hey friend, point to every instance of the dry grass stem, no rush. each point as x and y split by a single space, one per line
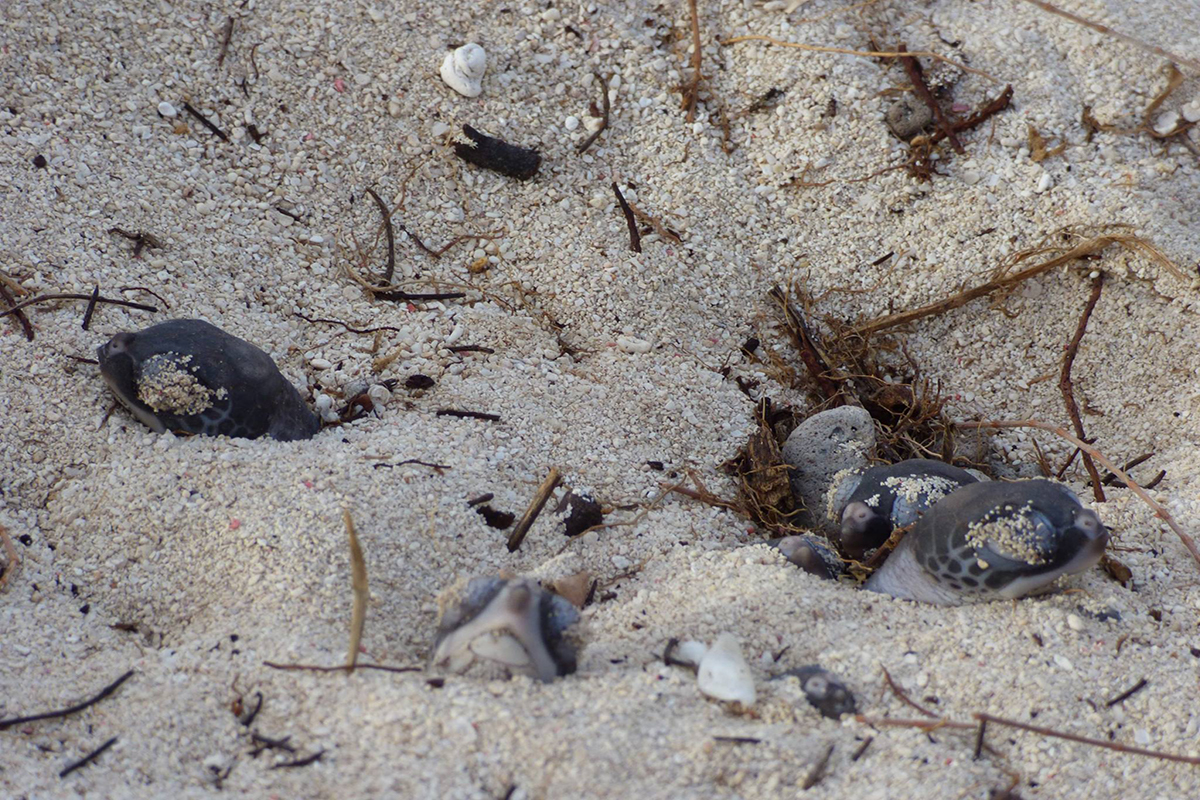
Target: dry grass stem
1005 280
863 53
1107 31
358 582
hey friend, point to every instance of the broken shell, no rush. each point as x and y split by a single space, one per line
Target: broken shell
723 673
463 69
513 624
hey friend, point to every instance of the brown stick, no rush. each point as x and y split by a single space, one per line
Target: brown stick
1116 34
1159 511
988 109
225 43
1087 248
1068 389
896 690
691 93
912 68
1071 737
635 238
358 584
603 120
45 298
535 508
391 238
802 338
21 318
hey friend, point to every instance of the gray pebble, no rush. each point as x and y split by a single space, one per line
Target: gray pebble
818 449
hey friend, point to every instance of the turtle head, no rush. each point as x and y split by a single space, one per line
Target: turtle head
863 528
117 366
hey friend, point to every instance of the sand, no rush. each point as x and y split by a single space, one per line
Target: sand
191 561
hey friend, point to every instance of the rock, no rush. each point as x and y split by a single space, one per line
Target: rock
166 109
463 69
724 674
825 691
823 445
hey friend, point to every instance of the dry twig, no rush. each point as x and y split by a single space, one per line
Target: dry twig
607 107
1004 280
864 53
691 90
1068 389
1138 43
535 507
358 583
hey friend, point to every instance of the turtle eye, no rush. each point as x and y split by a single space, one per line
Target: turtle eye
117 344
1088 522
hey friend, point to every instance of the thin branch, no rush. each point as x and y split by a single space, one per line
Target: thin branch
912 68
606 108
1138 43
1071 737
8 298
535 507
343 668
635 238
46 298
105 692
1159 510
391 238
358 583
896 690
89 758
1086 248
864 53
1068 388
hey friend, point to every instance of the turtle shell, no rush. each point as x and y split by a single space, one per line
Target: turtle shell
188 375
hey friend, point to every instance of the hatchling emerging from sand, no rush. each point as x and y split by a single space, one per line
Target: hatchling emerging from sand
884 498
187 375
993 540
511 627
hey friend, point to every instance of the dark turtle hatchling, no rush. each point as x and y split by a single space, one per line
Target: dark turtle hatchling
991 541
893 496
187 375
514 624
810 553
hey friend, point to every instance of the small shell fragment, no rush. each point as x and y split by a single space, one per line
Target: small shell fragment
463 69
724 674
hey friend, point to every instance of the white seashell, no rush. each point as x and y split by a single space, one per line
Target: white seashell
724 673
463 69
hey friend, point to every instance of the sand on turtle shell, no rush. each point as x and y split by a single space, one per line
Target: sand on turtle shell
192 561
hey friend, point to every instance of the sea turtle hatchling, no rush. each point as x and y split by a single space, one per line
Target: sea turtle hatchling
514 626
187 375
884 498
990 541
